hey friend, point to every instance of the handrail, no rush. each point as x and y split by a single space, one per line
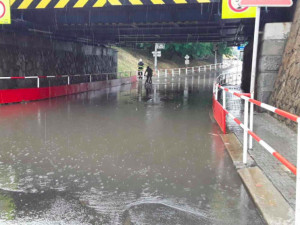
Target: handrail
247 131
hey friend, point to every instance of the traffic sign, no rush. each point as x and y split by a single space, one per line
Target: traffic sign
232 9
187 57
5 12
156 54
161 45
187 62
241 48
267 3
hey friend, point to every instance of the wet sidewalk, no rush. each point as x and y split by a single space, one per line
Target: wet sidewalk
277 135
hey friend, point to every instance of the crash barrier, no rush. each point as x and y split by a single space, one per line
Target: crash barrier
38 93
250 133
186 70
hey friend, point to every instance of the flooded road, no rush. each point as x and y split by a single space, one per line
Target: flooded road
126 155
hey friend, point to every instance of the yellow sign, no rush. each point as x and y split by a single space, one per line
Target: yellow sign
231 9
5 12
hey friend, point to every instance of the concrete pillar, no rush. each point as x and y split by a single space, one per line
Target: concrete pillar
269 58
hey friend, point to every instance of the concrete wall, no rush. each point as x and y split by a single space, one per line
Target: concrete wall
286 93
32 56
271 49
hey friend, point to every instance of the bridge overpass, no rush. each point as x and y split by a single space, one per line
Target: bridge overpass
101 22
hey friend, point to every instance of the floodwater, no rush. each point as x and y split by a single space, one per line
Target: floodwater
125 155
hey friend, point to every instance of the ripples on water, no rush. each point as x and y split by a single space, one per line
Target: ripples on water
120 156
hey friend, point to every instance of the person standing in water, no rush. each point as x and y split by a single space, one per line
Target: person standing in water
149 73
140 68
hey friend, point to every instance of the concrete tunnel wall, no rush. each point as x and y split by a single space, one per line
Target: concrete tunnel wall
286 92
24 55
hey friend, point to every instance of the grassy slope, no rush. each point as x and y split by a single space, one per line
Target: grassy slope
128 59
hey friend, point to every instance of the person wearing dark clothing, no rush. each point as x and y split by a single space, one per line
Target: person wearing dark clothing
140 69
149 73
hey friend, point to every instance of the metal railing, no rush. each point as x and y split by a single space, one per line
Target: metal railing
107 76
250 133
186 70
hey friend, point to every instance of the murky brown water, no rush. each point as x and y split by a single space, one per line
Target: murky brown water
120 156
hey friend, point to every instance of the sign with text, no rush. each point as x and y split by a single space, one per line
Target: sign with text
267 3
160 45
5 12
232 9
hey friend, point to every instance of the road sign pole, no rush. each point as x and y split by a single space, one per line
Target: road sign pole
155 58
253 70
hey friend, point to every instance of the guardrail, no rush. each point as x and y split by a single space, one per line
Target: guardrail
249 132
187 70
106 75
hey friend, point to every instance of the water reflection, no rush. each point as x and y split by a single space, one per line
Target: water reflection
143 155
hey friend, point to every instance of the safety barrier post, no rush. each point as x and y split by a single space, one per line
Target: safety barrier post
179 71
38 82
245 140
210 67
297 207
199 69
185 71
172 72
166 72
106 77
224 99
193 70
90 78
217 90
158 73
68 80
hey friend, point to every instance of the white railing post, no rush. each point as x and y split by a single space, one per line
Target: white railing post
297 207
179 71
199 69
186 71
224 99
251 121
245 139
166 72
38 82
193 70
172 72
205 68
90 78
106 77
217 90
68 79
209 67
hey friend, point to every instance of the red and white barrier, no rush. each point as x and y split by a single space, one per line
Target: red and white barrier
287 115
270 108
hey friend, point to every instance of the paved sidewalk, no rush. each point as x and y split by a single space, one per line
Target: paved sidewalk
277 135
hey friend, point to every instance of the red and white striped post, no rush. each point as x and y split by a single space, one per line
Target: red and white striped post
297 207
245 142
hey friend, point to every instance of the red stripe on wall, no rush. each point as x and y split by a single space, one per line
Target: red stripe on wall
32 94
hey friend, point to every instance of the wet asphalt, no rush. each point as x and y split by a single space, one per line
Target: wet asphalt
124 155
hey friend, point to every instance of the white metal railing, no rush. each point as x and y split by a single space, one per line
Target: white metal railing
186 70
248 132
106 75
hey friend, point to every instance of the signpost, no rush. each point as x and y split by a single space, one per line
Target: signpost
259 4
5 17
187 61
156 53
